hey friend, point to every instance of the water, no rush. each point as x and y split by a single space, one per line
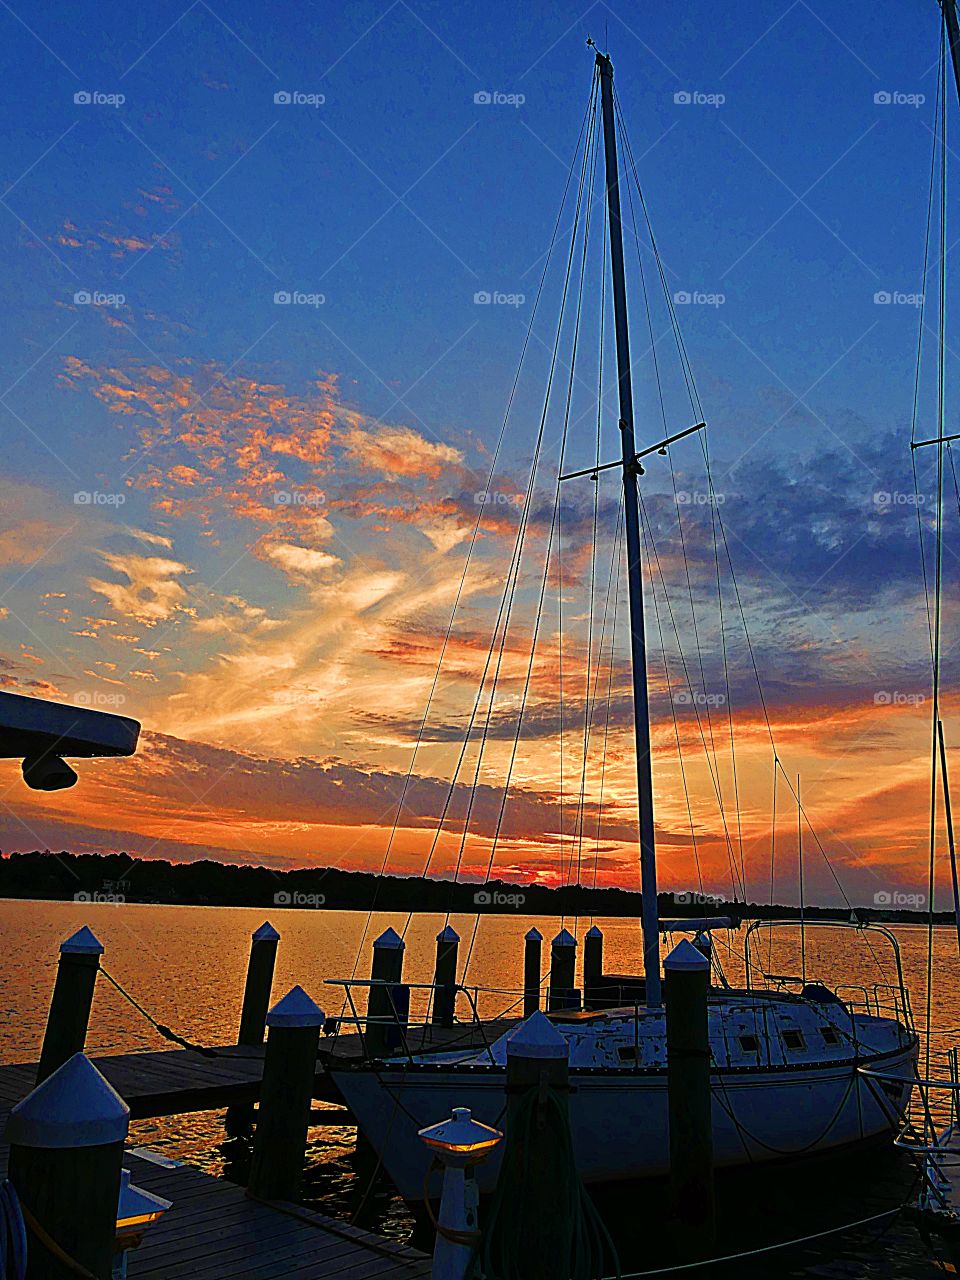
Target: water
186 965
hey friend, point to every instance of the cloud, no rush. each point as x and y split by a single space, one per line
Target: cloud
151 593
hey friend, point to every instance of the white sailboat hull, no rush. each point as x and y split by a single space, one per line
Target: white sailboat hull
619 1118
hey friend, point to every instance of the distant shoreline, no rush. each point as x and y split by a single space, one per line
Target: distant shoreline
118 878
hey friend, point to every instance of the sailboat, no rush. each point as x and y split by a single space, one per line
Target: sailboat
786 1078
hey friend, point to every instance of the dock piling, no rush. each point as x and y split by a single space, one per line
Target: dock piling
289 1069
592 966
532 963
563 965
66 1151
386 973
445 977
534 1175
69 1015
256 991
689 1100
253 1013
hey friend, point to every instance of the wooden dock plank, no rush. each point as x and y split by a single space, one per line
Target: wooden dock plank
214 1230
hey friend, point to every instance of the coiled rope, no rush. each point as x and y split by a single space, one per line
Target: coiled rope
590 1242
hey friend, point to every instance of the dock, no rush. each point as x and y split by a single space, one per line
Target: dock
168 1082
214 1230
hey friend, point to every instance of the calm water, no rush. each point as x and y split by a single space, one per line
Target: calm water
186 965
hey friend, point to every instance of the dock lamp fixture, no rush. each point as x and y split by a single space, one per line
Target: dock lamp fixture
41 734
136 1211
457 1144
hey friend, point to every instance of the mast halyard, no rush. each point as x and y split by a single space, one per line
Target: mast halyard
638 649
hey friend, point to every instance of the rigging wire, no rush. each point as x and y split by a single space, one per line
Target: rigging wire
470 551
553 523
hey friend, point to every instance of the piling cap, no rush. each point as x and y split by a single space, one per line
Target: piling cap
593 932
461 1138
266 933
536 1038
296 1009
564 939
74 1107
83 943
448 934
389 940
533 935
686 956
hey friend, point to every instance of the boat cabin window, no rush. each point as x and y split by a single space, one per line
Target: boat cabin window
829 1035
793 1039
627 1053
749 1044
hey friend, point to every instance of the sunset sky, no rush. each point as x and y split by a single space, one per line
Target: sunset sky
244 521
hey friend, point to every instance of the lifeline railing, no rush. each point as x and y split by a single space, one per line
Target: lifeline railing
900 1005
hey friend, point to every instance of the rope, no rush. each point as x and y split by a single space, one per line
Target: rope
448 1233
13 1234
764 1249
51 1246
586 1236
163 1030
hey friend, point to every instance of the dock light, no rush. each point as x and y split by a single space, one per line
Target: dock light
461 1139
136 1211
458 1143
41 734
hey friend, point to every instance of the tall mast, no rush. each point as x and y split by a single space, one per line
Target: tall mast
638 647
949 8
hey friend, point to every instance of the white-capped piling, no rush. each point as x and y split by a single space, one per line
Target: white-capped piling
535 1158
259 984
592 966
563 993
66 1148
532 964
73 989
457 1144
689 1100
386 973
445 977
289 1072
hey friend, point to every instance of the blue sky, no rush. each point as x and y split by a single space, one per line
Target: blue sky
791 190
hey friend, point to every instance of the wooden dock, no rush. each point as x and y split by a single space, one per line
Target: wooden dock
214 1230
169 1082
